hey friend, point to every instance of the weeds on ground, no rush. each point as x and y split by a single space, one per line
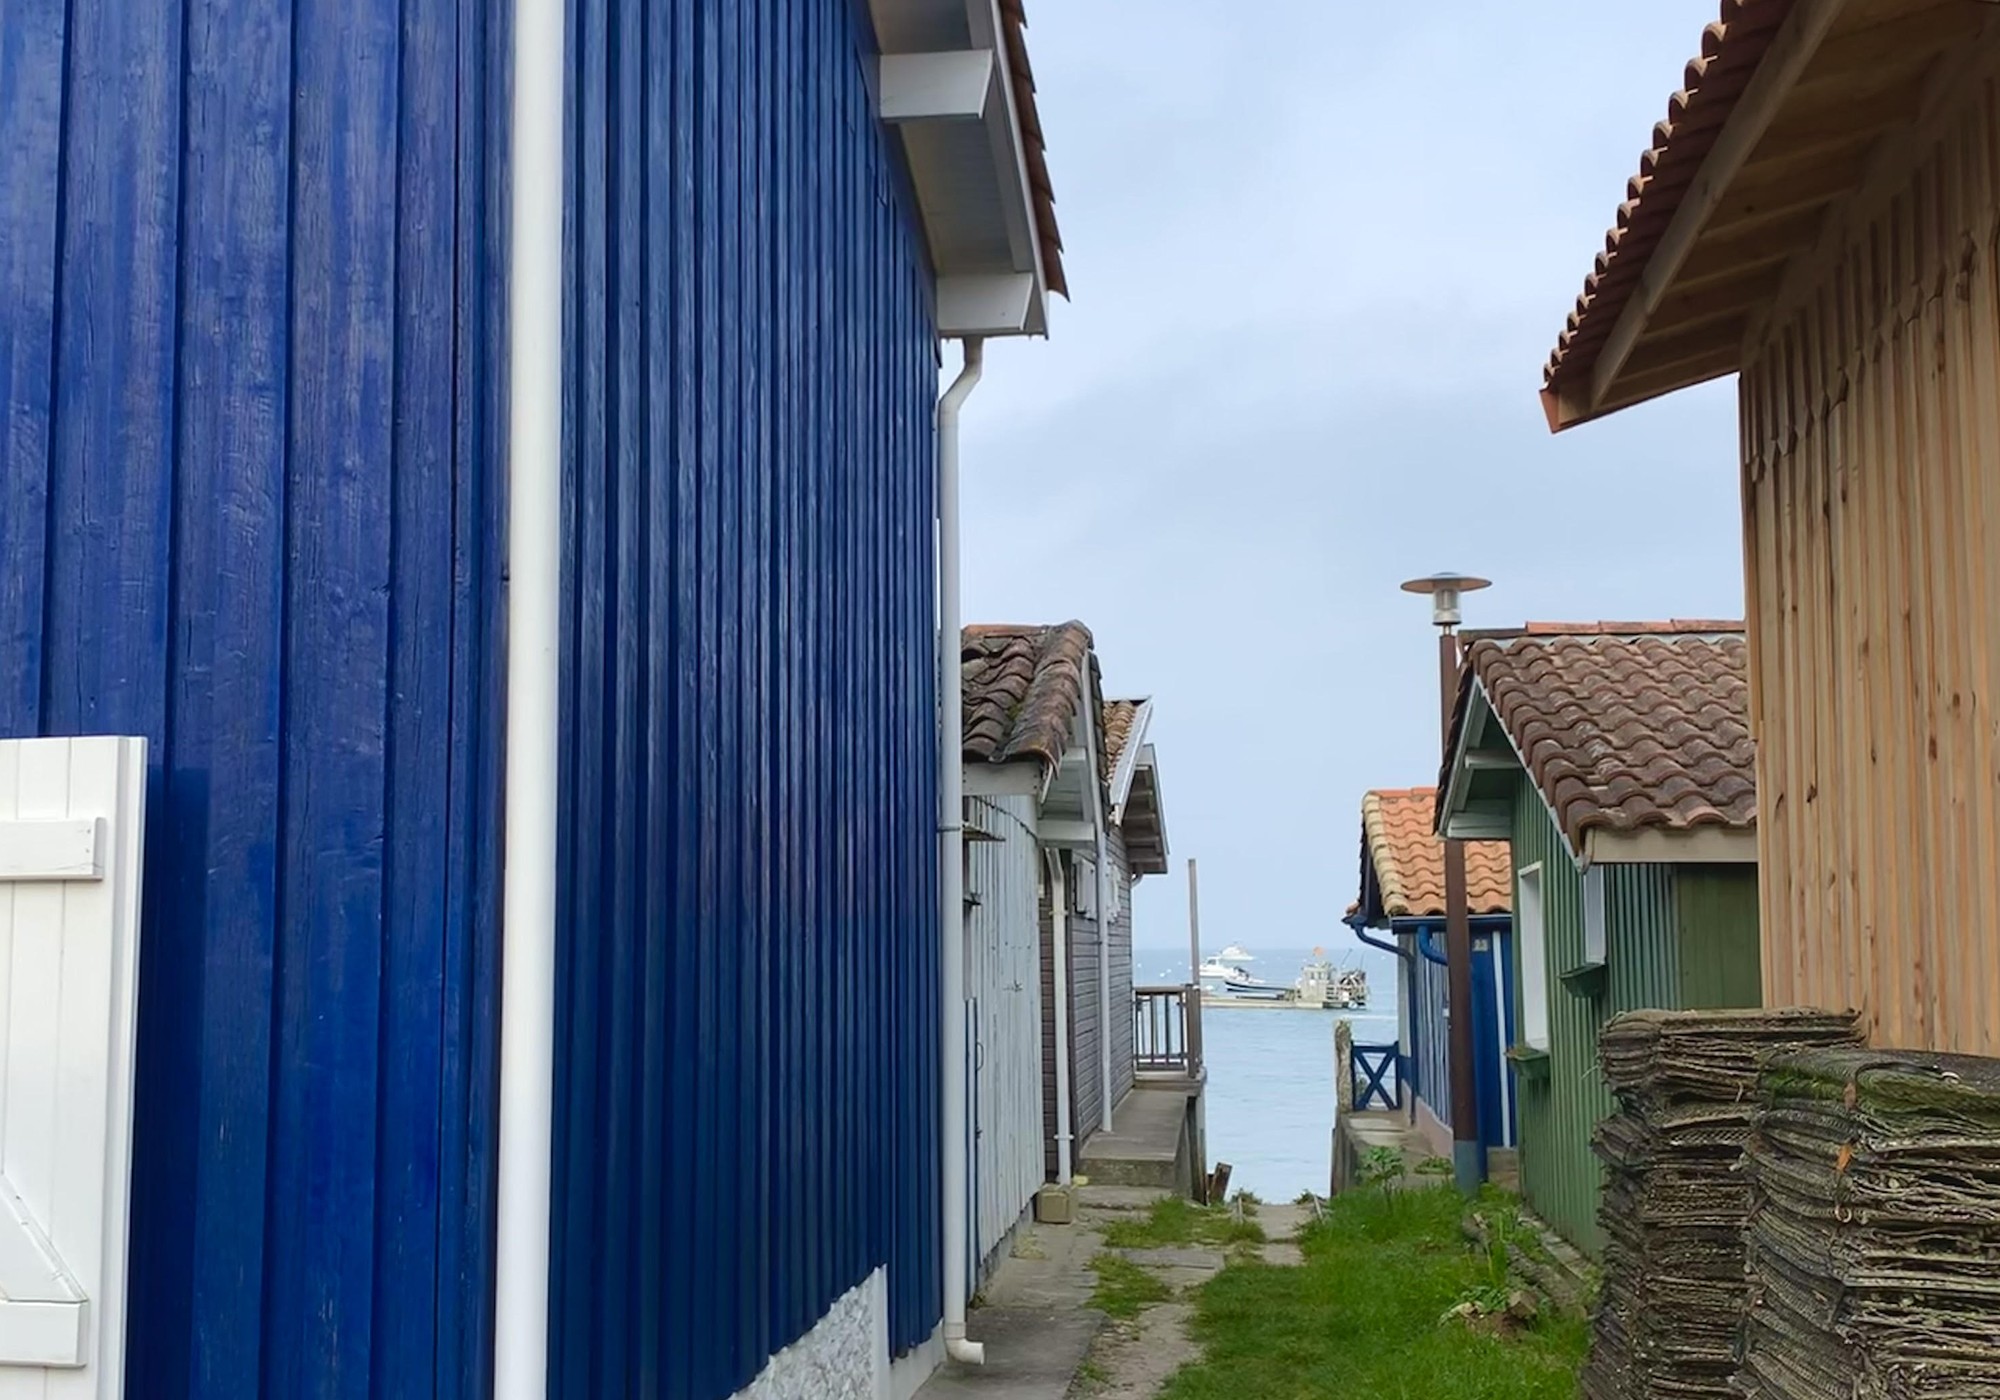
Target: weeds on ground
1174 1220
1123 1288
1363 1319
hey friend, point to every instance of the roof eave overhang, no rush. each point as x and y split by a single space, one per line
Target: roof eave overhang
944 87
1159 802
1659 845
1811 126
1480 744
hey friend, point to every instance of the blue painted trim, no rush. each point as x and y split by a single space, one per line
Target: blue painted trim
1428 947
1360 930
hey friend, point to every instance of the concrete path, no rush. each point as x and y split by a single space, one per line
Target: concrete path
1036 1319
1031 1354
1045 1342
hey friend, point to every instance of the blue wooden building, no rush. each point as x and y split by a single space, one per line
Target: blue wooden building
1402 896
282 285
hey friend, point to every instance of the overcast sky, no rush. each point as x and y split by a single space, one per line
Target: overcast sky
1318 253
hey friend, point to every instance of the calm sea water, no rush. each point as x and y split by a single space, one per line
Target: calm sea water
1270 1073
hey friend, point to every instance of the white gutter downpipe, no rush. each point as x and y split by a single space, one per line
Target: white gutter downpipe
1059 904
534 589
951 864
1105 1010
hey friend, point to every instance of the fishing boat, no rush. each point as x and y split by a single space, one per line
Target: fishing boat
1336 988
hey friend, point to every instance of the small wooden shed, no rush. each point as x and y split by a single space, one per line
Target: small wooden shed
1616 760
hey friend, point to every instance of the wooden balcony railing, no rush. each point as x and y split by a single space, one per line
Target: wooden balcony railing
1166 1030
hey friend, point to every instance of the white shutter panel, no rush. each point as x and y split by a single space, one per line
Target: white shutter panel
70 824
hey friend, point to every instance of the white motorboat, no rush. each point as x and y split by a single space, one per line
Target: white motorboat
1222 976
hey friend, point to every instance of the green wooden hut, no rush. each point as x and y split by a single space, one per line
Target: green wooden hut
1617 760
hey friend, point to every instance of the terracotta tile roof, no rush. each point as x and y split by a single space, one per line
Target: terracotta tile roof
1408 856
1024 687
1118 717
1624 726
1731 49
1015 24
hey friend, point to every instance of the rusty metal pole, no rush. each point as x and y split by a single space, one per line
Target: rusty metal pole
1468 1161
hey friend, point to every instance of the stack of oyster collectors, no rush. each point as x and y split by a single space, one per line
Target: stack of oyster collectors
1874 1249
1676 1201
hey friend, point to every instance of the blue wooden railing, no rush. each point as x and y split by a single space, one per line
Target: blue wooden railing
1375 1082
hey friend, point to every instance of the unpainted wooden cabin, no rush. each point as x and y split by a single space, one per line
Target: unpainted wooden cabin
1820 214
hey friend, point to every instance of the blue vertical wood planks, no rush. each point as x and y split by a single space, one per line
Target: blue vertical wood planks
253 507
251 308
746 1118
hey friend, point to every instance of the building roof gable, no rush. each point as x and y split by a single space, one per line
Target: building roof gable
1622 728
1403 860
1780 117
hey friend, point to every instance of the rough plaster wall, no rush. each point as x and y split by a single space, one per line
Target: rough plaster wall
844 1357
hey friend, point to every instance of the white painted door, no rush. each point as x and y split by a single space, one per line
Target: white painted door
70 825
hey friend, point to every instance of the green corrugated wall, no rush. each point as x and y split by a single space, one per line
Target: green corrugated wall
1719 953
1675 937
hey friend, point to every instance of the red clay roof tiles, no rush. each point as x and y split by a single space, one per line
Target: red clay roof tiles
1624 726
1731 49
1409 858
1118 718
1033 143
1023 690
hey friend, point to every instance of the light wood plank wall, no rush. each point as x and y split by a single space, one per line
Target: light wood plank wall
1871 488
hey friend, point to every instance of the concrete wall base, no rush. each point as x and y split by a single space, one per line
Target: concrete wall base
1434 1132
908 1372
1004 1246
845 1356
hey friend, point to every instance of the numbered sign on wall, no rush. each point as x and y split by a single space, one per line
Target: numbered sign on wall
70 821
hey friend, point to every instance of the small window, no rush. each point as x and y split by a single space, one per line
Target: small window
1083 887
1530 928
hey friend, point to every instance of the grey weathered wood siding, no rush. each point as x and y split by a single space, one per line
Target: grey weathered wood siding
1088 1022
1003 982
1121 1027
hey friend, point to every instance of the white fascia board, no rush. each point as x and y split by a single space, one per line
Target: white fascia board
1655 845
920 87
1128 759
1003 779
981 304
1459 777
984 17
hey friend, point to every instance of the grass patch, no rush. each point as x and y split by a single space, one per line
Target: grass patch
1123 1288
1364 1319
1173 1221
